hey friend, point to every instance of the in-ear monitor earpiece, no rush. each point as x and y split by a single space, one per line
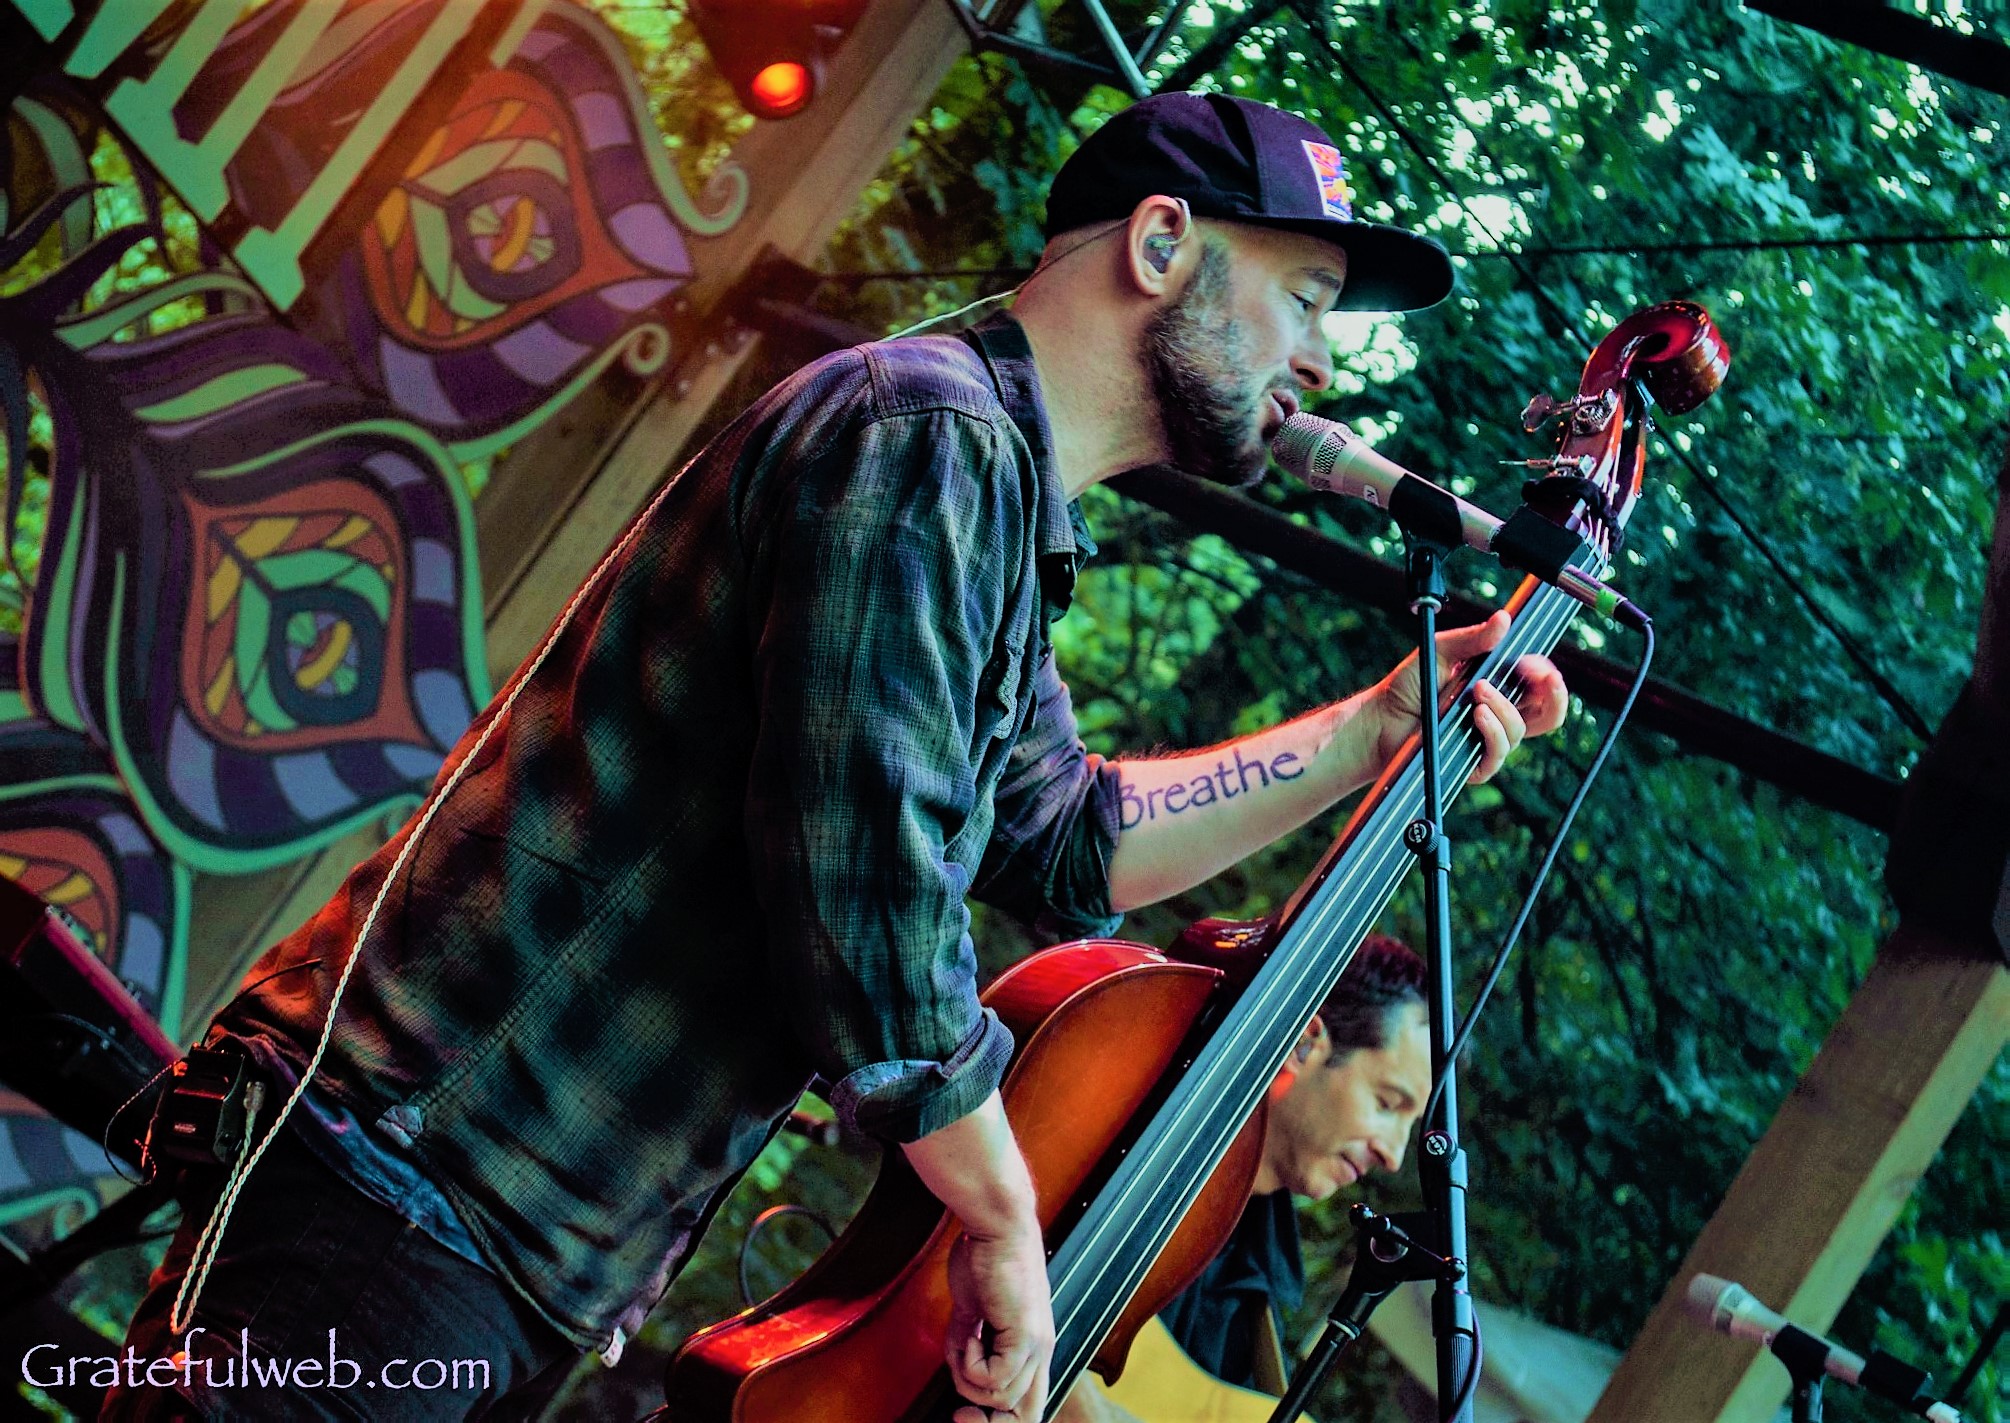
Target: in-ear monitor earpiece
1159 247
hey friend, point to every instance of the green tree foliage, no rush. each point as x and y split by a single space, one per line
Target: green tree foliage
1703 930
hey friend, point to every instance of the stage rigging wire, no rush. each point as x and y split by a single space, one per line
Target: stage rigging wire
1984 1347
1900 705
1754 244
1757 244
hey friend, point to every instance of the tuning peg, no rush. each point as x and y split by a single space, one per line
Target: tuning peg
1540 410
1561 464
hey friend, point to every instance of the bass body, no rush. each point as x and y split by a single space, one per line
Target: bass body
1101 1025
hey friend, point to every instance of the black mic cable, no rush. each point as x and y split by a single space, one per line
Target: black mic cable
1470 1385
1500 962
1330 457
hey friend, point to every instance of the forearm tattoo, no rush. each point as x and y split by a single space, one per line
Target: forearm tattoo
1225 782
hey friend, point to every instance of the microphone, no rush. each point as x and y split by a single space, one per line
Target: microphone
1729 1308
1330 457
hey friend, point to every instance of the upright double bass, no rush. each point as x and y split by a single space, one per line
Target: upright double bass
1137 1089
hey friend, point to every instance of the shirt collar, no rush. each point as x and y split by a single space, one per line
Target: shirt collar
1063 533
1264 1256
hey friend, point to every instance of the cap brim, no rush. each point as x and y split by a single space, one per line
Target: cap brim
1388 269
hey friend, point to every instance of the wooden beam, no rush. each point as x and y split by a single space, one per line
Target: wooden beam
557 500
1696 725
806 181
531 489
592 471
1882 29
234 918
1819 1193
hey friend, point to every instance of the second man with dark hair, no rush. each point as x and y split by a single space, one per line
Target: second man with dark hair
1343 1107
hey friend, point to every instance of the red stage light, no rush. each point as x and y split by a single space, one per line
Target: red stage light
773 51
780 89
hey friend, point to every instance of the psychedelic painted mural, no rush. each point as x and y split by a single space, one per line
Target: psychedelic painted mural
409 233
510 261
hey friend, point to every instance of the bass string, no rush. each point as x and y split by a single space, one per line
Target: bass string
1542 627
1539 629
1464 751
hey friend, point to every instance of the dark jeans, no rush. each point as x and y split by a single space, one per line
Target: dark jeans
418 1331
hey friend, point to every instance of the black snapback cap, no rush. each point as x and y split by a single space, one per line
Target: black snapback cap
1246 162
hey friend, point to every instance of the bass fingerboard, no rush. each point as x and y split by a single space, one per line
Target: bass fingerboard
1122 1230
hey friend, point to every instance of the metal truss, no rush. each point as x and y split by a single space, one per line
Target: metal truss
1009 27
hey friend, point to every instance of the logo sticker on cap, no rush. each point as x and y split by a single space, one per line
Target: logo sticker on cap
1329 170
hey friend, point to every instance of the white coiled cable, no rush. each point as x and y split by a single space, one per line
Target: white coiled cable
210 1241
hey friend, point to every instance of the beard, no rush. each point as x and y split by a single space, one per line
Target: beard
1207 401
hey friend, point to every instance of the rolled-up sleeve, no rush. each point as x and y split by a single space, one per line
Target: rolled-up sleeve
879 592
1058 815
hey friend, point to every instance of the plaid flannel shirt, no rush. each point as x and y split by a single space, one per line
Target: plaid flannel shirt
721 840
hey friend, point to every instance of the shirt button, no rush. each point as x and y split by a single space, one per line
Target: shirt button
402 1124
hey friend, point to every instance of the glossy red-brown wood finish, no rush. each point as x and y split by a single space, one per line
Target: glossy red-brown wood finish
1680 356
1675 349
859 1338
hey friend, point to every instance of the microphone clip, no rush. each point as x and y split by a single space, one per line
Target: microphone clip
1563 487
1385 1238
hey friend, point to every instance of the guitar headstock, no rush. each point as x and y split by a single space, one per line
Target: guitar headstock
1671 355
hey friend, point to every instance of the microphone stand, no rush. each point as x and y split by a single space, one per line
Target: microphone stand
1385 1255
1431 1244
1807 1399
1806 1358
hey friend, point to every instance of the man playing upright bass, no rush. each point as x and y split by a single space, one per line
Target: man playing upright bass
715 837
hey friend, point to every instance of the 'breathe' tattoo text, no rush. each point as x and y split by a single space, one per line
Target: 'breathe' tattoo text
1226 782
